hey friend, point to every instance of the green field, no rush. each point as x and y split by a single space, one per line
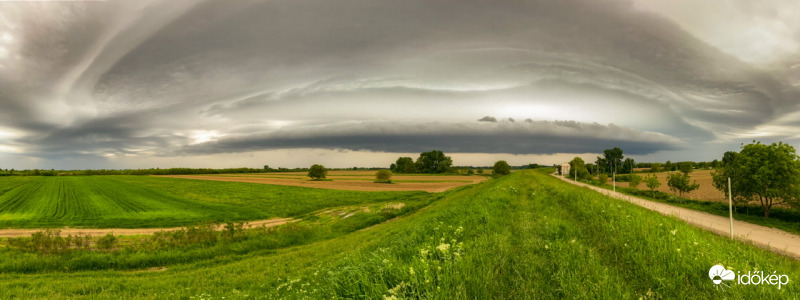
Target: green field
522 236
143 201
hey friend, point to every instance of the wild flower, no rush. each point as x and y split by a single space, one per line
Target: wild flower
443 247
411 271
679 249
674 231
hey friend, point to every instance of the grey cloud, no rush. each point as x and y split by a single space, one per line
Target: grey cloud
480 137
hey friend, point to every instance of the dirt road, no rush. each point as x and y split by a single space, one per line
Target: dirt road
770 238
130 231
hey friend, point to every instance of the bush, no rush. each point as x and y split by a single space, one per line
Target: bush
501 168
634 180
317 172
602 179
107 242
383 176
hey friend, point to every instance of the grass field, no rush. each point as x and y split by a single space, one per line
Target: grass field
522 236
144 201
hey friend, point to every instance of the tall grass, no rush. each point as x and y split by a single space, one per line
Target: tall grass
522 236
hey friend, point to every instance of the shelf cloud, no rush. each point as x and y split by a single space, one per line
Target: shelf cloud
153 79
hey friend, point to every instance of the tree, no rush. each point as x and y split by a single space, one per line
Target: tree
613 159
602 179
652 184
668 166
404 165
634 180
501 168
714 164
680 182
655 168
685 167
266 167
628 165
383 176
480 171
767 173
317 172
577 165
433 162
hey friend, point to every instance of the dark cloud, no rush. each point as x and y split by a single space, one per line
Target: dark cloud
165 78
481 137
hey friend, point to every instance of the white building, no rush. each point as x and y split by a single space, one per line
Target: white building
565 169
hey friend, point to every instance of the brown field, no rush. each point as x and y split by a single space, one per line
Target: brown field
349 180
703 177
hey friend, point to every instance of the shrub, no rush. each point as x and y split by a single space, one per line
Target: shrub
602 179
107 242
317 172
501 168
383 176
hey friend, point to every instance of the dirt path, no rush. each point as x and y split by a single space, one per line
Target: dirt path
774 239
4 233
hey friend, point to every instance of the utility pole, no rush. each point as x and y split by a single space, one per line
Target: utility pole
730 204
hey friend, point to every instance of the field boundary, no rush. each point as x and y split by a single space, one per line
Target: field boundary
773 239
12 232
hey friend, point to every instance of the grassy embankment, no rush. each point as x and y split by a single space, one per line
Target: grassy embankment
783 218
522 236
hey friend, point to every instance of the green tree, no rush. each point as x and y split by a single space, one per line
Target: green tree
613 157
383 176
680 182
767 173
634 180
501 168
686 167
668 166
404 165
433 162
655 168
714 164
577 165
652 184
628 165
317 172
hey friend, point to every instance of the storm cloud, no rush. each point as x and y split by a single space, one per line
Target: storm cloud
155 79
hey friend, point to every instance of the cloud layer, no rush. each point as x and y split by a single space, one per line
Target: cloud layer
149 79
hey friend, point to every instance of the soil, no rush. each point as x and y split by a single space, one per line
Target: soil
348 180
131 231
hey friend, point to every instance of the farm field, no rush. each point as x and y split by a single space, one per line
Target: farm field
145 201
705 192
349 180
522 236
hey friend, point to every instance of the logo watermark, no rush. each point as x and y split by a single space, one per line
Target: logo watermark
720 275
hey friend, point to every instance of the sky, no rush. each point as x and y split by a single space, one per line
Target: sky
344 83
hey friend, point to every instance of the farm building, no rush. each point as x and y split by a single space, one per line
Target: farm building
565 169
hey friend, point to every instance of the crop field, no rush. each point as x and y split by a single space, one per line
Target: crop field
522 236
350 180
705 192
144 201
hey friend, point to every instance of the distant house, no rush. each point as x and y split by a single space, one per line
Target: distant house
565 169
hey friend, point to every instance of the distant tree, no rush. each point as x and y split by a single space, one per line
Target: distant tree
634 180
383 176
433 162
404 165
613 157
602 179
577 165
266 167
317 172
714 164
668 166
655 168
680 182
702 165
591 168
652 184
601 165
627 166
685 167
393 167
501 168
767 173
480 171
